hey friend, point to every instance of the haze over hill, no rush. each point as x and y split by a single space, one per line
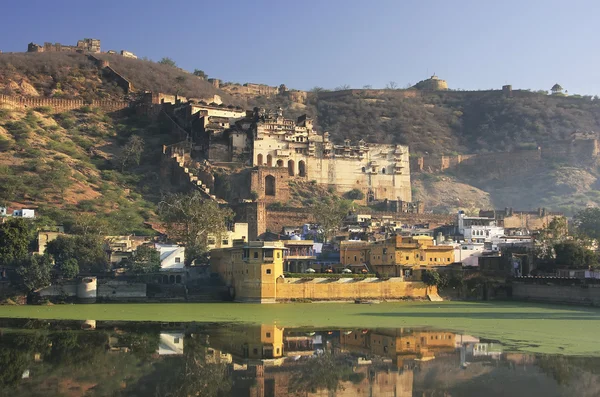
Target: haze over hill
432 123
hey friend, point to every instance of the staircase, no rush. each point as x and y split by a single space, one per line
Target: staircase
179 153
435 297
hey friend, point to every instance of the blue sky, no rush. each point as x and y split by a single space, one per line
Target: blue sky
473 44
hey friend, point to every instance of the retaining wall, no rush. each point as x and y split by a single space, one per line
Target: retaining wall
350 289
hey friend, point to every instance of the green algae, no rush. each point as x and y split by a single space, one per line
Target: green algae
521 326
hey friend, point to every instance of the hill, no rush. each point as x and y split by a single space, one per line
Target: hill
432 123
73 75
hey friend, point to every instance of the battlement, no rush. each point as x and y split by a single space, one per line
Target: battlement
59 105
85 45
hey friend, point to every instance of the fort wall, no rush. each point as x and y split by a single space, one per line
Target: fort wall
325 289
59 105
572 294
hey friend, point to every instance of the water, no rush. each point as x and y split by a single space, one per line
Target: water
116 358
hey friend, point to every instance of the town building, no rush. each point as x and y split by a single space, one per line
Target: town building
172 263
300 255
237 231
122 247
515 221
478 229
253 271
408 256
250 269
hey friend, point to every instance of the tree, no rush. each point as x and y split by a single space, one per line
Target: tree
556 88
87 252
34 272
179 86
88 224
555 232
354 194
392 85
323 372
132 152
330 215
342 87
190 218
168 61
431 278
587 223
200 73
16 236
58 176
145 260
573 255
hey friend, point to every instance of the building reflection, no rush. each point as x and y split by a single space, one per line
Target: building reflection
269 360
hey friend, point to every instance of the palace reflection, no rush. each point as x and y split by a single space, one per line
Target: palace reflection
180 359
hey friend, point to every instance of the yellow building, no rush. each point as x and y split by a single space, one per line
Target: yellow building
256 342
253 272
354 252
399 344
250 269
407 255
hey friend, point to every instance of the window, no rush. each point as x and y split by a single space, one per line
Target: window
355 258
364 169
176 341
268 271
225 242
268 334
448 259
278 254
255 351
383 170
255 255
178 260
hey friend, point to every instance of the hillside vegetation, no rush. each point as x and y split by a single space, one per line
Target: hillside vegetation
70 166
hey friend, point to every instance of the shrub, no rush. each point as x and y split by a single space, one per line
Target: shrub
354 194
44 109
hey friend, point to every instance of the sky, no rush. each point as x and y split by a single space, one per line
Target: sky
472 44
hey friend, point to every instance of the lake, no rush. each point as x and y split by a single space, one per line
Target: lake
388 349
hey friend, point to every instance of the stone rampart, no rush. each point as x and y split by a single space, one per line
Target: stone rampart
277 218
369 93
572 294
350 289
59 105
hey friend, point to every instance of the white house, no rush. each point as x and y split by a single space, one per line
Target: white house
477 229
24 213
172 257
171 344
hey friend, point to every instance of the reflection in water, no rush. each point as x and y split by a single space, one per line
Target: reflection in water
99 358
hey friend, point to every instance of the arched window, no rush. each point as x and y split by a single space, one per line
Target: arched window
269 160
270 185
280 163
364 169
171 279
383 170
301 168
259 159
291 167
178 279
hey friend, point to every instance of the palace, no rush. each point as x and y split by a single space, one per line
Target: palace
281 149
